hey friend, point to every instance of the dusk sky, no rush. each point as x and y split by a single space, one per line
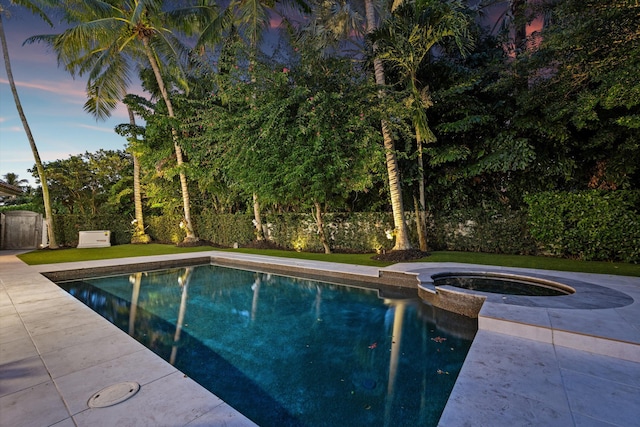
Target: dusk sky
52 101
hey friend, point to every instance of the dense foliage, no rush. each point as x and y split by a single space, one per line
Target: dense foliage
91 183
480 118
589 225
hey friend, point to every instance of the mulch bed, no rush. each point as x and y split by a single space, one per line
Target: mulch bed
400 256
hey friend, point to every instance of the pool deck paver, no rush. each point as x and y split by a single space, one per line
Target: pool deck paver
537 366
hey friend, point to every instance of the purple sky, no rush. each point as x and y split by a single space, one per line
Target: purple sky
52 101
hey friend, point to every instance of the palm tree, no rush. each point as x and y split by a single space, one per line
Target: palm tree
34 7
13 179
139 234
393 171
404 42
513 19
336 21
105 39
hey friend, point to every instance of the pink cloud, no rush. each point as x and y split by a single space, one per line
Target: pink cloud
60 88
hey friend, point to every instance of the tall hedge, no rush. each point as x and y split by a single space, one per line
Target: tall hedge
588 225
225 229
165 228
68 226
355 231
482 230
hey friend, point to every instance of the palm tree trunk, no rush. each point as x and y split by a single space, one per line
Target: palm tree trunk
36 156
139 236
393 171
191 236
420 208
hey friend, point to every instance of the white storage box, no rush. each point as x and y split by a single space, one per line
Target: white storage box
94 239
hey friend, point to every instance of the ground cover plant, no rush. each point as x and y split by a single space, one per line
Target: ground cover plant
544 263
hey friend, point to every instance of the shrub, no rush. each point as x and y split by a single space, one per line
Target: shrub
481 230
165 228
225 229
589 225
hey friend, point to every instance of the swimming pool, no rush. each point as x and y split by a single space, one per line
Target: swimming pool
291 352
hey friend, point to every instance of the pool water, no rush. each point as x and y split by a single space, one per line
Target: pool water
291 352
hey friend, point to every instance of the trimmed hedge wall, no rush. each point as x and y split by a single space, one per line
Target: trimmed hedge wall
588 225
352 232
164 229
478 230
225 229
67 228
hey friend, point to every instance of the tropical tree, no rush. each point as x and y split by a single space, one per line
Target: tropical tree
36 8
131 131
339 20
106 39
404 43
512 19
297 134
13 179
393 170
20 197
247 20
91 183
584 89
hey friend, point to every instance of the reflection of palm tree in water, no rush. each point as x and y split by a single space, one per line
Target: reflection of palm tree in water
396 341
256 293
183 281
135 280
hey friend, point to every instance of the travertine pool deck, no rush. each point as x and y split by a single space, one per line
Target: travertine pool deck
530 364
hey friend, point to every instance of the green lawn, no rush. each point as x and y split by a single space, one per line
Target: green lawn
545 263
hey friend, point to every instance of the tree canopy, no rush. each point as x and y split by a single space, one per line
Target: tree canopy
291 116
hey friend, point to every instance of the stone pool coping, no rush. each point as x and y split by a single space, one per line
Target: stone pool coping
527 365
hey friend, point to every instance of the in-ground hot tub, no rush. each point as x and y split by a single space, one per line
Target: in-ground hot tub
465 291
500 283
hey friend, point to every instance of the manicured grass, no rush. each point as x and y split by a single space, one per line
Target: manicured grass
46 256
544 263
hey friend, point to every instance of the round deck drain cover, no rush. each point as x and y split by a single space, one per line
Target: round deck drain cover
113 394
